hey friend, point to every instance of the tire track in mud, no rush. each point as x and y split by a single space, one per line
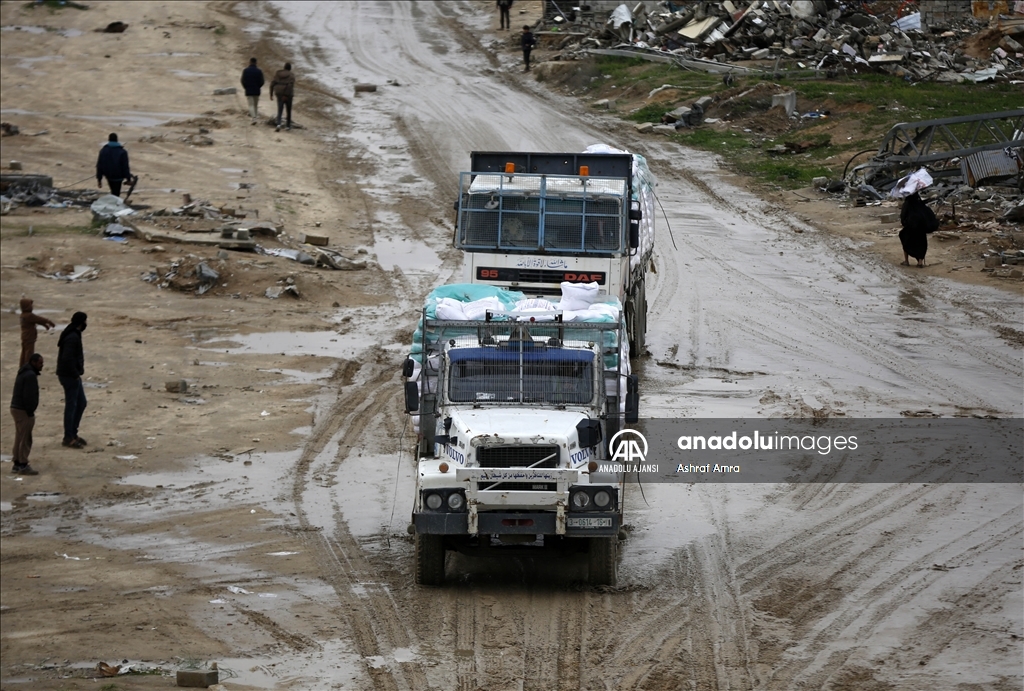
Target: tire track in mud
878 603
364 600
818 537
691 632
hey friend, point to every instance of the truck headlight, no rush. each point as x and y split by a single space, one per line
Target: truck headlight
602 499
455 501
433 501
581 500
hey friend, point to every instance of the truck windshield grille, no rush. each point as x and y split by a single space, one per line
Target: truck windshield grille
537 213
503 375
517 457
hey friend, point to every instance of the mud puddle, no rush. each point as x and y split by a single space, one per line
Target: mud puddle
409 256
320 343
127 119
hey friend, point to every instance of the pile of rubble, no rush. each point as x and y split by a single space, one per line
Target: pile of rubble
38 190
823 35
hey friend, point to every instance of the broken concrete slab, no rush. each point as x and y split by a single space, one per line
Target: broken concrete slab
311 239
786 100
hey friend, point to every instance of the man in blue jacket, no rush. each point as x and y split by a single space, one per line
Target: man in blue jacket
252 82
70 368
23 409
112 164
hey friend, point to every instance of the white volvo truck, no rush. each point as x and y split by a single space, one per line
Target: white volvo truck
529 221
514 407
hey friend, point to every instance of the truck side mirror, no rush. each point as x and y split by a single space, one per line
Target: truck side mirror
408 367
589 433
412 397
634 234
632 399
635 213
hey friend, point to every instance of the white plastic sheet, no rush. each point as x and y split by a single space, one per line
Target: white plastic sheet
911 183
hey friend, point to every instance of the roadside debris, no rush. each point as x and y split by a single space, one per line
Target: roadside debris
71 273
188 275
780 35
277 291
109 207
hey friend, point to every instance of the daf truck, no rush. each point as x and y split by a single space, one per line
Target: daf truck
529 221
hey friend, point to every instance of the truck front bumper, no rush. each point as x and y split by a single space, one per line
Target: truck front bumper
598 524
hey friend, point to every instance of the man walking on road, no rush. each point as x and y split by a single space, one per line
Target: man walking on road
527 41
23 409
503 9
252 82
70 368
112 164
283 87
28 330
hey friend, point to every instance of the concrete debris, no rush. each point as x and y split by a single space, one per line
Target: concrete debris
941 42
277 291
188 274
225 92
109 207
318 240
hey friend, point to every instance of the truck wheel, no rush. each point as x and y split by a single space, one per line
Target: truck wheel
603 560
430 559
636 319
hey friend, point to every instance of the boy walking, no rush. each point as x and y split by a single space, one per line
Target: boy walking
28 330
23 409
527 41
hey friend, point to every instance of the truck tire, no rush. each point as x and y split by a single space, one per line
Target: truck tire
636 319
430 559
604 560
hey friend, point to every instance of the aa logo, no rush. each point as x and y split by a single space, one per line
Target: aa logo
628 446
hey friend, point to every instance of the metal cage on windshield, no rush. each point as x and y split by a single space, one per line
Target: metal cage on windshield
547 363
524 212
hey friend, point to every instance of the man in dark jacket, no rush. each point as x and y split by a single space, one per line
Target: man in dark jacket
112 164
527 41
23 409
283 87
70 368
252 82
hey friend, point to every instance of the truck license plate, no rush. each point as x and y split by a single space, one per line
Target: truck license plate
585 522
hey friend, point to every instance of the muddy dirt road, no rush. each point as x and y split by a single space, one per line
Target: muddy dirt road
291 567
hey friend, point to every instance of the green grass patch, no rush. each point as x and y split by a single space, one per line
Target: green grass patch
862 110
724 143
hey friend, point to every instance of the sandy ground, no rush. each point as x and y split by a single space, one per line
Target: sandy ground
258 520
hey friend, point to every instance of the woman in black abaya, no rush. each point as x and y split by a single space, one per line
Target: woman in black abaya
917 220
